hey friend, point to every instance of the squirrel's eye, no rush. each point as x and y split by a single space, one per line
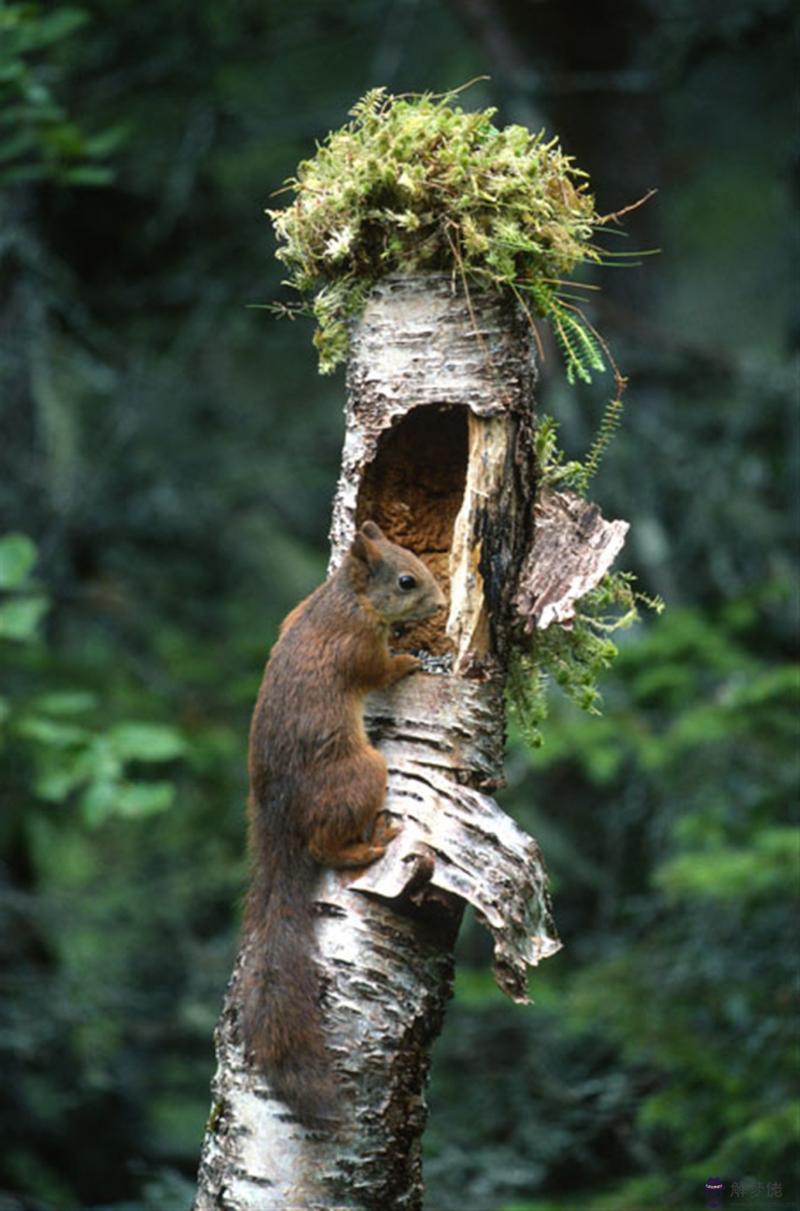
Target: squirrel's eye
407 582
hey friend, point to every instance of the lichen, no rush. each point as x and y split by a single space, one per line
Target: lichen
414 183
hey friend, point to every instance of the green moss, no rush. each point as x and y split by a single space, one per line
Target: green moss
574 659
413 184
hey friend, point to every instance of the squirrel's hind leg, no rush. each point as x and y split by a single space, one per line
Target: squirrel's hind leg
362 853
350 828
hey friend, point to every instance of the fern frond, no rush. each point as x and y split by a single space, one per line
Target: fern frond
609 424
579 346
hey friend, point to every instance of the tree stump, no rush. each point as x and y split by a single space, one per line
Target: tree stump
438 451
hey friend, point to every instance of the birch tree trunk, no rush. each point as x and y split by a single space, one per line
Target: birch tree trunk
437 451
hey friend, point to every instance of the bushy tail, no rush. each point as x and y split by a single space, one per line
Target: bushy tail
279 1011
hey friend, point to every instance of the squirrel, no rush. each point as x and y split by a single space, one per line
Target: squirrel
317 788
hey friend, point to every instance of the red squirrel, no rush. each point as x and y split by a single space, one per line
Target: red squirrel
317 788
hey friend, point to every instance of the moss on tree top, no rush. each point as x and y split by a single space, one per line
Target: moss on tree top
415 184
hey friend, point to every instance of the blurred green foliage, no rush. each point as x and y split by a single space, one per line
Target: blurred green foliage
167 460
666 1040
38 138
66 752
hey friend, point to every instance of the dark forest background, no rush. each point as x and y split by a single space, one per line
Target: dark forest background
169 456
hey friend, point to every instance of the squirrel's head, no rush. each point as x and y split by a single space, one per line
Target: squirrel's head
397 584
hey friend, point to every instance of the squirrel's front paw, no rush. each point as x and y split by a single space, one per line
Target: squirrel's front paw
405 664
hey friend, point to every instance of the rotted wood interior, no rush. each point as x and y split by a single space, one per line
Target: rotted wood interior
413 489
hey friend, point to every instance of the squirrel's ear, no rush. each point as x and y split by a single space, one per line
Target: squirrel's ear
363 545
373 531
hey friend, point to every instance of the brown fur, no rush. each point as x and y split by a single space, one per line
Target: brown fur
317 789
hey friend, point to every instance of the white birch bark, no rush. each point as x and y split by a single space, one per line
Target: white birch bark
428 365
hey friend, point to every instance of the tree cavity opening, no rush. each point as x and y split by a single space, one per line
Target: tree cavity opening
414 488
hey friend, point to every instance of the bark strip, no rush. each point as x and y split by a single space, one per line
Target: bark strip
573 548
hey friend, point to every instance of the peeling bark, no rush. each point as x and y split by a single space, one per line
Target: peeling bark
573 548
438 452
455 839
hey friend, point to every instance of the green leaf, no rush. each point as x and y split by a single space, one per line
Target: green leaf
14 116
51 733
59 24
106 141
146 741
768 866
65 702
88 175
99 762
20 617
11 71
56 783
145 798
17 557
99 801
108 798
